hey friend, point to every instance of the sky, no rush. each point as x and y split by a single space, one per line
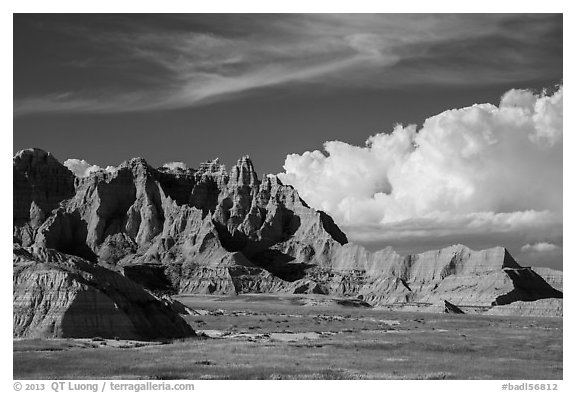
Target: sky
372 117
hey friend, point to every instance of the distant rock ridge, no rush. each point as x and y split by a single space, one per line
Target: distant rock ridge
552 277
218 232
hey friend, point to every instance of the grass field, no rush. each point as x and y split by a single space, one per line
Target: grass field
295 337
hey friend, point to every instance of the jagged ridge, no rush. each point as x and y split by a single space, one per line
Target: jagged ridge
213 231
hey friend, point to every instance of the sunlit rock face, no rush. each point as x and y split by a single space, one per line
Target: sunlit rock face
215 231
59 295
539 308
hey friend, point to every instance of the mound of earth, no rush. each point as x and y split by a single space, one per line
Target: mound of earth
210 231
58 295
449 308
537 308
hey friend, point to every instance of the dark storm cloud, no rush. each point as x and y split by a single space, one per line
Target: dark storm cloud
117 63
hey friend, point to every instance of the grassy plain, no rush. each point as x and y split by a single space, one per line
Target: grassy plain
304 337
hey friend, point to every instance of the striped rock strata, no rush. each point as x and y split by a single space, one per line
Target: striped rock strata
58 295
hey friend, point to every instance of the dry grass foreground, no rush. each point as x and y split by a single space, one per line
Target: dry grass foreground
299 337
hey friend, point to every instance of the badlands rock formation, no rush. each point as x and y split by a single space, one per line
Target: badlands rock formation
218 232
450 308
537 308
552 277
40 184
58 295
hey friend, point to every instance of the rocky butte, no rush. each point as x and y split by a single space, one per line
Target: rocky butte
210 231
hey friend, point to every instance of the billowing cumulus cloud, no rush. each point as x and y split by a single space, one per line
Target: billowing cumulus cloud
539 247
175 165
471 170
82 168
541 253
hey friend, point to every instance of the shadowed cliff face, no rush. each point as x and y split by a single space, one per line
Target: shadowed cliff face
213 231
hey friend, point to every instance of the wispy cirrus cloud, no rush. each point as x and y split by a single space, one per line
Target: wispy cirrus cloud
200 61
